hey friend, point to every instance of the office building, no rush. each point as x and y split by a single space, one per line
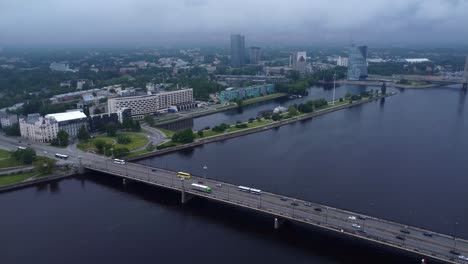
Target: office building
237 50
150 104
70 121
36 128
255 55
299 61
7 120
99 122
232 93
357 63
342 61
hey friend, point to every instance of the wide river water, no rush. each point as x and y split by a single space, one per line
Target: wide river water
404 159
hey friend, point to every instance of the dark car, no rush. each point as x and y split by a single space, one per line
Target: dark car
427 234
154 170
294 204
284 199
361 231
318 209
400 237
454 252
405 231
360 217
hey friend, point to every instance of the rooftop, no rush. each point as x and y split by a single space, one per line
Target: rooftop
72 115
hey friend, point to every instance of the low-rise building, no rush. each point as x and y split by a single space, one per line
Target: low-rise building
233 93
8 120
150 104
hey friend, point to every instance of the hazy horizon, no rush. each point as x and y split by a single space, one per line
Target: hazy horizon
210 22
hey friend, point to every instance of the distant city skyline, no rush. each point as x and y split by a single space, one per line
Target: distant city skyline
204 22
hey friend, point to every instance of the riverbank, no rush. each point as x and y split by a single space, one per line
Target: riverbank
257 129
27 183
222 108
389 84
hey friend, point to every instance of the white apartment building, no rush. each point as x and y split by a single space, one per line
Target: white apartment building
7 120
342 61
71 121
149 104
38 129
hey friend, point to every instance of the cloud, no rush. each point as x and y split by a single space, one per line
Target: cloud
154 21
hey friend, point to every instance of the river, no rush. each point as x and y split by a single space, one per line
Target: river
404 159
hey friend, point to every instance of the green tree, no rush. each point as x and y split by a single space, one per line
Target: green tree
184 136
26 156
200 133
341 99
13 130
293 111
239 102
120 152
99 144
127 123
136 126
149 119
276 117
111 129
123 139
45 166
83 133
62 139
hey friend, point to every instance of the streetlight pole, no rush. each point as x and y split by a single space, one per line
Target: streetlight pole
455 236
205 171
334 87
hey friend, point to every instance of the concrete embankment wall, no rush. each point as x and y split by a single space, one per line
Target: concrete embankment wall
252 130
20 185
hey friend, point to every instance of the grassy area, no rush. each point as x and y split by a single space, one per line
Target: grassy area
263 98
167 132
6 161
10 179
4 154
137 141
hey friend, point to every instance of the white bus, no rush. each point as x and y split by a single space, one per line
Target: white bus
255 191
201 188
244 189
61 156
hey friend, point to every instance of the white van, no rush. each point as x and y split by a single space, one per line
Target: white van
119 161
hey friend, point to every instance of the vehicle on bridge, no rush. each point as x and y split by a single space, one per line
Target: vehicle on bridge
119 161
61 156
250 190
21 148
183 175
201 188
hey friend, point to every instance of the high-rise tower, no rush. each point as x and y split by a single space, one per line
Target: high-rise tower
237 50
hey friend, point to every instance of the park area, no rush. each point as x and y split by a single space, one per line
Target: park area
119 145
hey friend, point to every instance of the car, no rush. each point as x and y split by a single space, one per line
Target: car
200 182
454 252
318 209
405 231
400 237
462 257
361 231
360 217
427 234
307 204
356 226
352 218
283 199
294 204
219 185
154 170
29 144
19 141
119 161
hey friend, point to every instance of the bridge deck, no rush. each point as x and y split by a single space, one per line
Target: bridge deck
419 241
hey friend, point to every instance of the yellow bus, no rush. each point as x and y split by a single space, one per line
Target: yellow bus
183 175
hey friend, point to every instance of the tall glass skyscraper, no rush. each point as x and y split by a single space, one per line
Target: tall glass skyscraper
237 50
357 63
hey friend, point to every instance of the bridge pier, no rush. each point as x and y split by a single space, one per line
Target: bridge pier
277 223
184 197
464 86
81 168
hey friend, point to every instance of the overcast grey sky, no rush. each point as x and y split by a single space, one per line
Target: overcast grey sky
277 22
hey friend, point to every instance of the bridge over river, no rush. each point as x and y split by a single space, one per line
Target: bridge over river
424 243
